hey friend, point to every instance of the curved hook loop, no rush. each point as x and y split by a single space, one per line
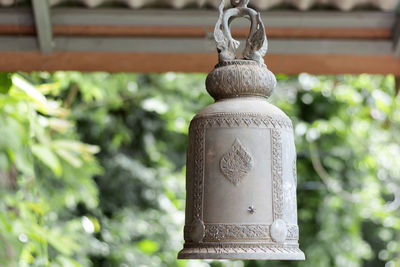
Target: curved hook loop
256 43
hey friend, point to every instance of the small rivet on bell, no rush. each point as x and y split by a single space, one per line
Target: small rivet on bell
251 209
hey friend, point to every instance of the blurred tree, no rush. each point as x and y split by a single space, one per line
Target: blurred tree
45 171
57 207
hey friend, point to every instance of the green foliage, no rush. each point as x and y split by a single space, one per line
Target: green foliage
40 190
59 208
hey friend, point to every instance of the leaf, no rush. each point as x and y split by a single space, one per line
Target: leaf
67 262
69 157
30 90
37 207
63 244
76 146
48 158
148 246
5 83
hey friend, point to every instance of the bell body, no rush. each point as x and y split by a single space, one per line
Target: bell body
241 178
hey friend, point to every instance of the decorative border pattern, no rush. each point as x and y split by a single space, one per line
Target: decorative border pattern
277 194
227 232
238 62
240 79
222 232
242 247
198 127
187 229
245 119
294 170
293 232
198 174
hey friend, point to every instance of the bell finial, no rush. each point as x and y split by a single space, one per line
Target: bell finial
256 44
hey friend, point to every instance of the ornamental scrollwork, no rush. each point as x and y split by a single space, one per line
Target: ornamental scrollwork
236 163
256 43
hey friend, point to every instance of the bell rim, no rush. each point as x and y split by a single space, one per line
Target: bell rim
186 254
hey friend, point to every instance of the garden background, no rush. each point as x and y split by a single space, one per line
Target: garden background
92 168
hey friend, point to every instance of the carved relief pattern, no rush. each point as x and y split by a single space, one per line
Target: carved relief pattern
293 232
233 78
241 120
237 62
222 232
237 77
277 196
225 232
236 163
187 229
198 127
199 173
238 248
294 172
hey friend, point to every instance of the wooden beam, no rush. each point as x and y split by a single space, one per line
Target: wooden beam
204 18
189 23
192 62
15 29
177 31
41 11
396 37
195 31
197 45
118 40
199 17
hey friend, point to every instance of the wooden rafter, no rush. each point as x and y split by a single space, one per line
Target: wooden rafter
43 26
192 62
181 40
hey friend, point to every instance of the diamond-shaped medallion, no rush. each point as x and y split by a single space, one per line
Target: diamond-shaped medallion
236 163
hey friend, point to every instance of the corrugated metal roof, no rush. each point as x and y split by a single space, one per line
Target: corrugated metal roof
345 5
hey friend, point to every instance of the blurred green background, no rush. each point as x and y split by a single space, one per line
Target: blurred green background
92 168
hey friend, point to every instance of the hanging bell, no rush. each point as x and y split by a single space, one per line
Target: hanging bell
241 158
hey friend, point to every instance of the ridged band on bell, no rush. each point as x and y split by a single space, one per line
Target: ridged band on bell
241 158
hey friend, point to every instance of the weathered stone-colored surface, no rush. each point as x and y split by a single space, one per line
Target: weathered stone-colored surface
241 162
219 224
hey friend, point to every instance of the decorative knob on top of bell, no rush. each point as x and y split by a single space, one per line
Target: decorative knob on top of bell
241 158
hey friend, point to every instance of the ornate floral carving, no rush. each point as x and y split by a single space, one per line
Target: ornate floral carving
198 127
240 78
198 174
224 232
277 196
238 62
236 163
242 119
